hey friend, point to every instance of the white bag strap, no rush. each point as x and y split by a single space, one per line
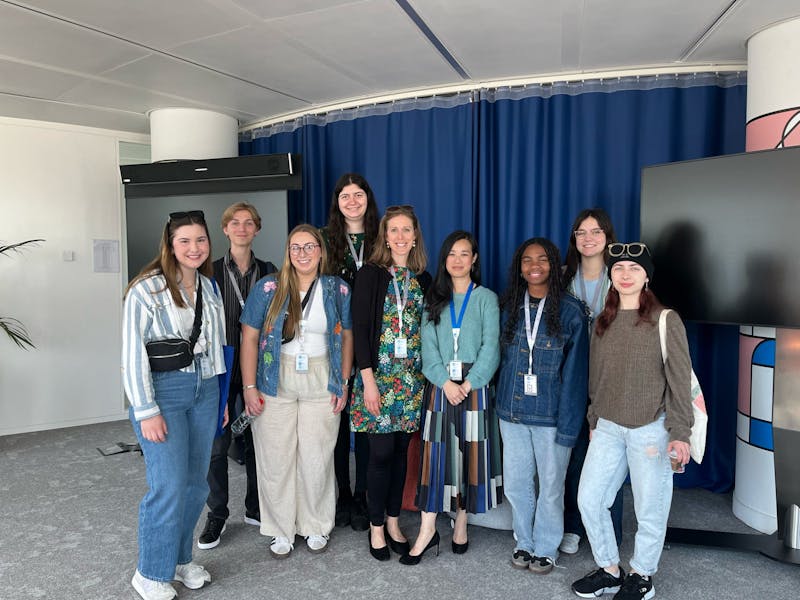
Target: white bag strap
662 333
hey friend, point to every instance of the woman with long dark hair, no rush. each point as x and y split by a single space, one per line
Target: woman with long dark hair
640 413
174 412
387 315
349 237
460 458
297 347
586 278
541 398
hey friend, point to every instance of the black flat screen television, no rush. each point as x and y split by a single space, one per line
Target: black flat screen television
723 233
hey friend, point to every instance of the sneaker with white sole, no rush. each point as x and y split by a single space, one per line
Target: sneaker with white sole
597 583
254 519
521 559
317 543
152 590
192 575
541 565
212 533
570 543
636 587
280 547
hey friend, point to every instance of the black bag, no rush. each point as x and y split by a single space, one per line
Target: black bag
176 353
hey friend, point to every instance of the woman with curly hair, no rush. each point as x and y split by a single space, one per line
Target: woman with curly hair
541 398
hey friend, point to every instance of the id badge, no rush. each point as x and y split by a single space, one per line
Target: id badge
456 370
400 348
301 363
531 386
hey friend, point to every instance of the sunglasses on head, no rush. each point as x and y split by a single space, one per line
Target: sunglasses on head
634 249
400 208
189 214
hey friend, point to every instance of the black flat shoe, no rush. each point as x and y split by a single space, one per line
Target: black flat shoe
460 548
381 554
410 559
397 547
358 512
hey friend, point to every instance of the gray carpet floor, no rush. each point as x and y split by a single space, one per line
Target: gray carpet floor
68 518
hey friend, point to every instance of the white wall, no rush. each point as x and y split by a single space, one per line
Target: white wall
61 183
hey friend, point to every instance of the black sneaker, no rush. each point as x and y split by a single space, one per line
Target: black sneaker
521 559
541 565
342 518
636 587
597 583
359 520
211 533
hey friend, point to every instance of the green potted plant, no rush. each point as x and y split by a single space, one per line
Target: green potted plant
13 327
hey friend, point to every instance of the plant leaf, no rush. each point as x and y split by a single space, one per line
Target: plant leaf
16 247
16 331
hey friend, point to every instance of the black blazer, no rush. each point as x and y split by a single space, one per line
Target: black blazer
369 294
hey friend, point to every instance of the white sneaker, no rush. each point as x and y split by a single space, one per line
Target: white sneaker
280 547
152 590
192 575
570 543
317 543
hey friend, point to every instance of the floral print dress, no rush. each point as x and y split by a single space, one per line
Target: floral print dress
400 380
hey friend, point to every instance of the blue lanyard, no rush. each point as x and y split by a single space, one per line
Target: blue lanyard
456 324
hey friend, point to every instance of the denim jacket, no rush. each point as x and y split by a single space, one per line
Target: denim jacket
561 365
335 299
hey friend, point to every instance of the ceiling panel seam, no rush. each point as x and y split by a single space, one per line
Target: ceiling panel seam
428 33
154 50
723 16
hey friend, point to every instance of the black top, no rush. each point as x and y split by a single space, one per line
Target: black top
369 295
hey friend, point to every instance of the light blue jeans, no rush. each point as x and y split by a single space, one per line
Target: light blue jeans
613 450
538 519
176 470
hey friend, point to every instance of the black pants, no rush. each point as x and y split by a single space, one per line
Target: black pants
386 474
572 516
341 458
218 474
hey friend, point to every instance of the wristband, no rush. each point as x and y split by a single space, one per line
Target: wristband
249 387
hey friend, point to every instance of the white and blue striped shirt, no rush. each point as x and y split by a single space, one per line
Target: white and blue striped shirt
149 313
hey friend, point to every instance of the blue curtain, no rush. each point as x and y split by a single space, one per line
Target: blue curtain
512 163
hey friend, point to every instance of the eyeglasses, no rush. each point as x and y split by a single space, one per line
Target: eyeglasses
634 249
189 214
356 196
308 248
582 233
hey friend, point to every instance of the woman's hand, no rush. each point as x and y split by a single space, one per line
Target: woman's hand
453 393
253 403
339 402
225 416
372 399
681 449
154 429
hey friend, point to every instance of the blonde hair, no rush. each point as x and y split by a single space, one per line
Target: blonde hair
382 256
167 265
227 216
288 285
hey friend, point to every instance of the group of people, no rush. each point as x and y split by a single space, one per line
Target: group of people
548 396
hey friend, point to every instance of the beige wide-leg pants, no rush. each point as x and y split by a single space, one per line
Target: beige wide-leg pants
294 440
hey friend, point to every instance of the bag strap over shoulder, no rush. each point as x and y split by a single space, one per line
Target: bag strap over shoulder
198 316
662 333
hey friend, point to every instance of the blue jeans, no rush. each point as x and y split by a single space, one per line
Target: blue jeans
538 519
176 470
613 450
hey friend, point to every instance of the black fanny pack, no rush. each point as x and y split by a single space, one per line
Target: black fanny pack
176 353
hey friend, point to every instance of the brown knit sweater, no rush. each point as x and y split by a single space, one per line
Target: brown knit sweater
628 382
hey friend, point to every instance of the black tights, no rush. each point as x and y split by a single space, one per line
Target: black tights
386 474
341 458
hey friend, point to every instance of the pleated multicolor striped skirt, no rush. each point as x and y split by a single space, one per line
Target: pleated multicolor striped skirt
460 456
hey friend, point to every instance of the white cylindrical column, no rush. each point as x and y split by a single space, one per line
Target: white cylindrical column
773 121
192 134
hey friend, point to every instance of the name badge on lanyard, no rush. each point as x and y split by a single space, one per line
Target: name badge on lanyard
358 259
400 342
301 359
530 382
456 367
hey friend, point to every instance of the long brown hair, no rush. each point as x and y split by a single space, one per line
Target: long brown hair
165 262
337 228
573 256
288 285
648 306
382 256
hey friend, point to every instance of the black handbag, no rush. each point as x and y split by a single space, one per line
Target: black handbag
176 353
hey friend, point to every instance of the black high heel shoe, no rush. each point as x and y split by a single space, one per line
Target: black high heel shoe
410 559
381 554
397 547
460 548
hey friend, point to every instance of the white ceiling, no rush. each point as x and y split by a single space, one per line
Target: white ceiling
106 63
